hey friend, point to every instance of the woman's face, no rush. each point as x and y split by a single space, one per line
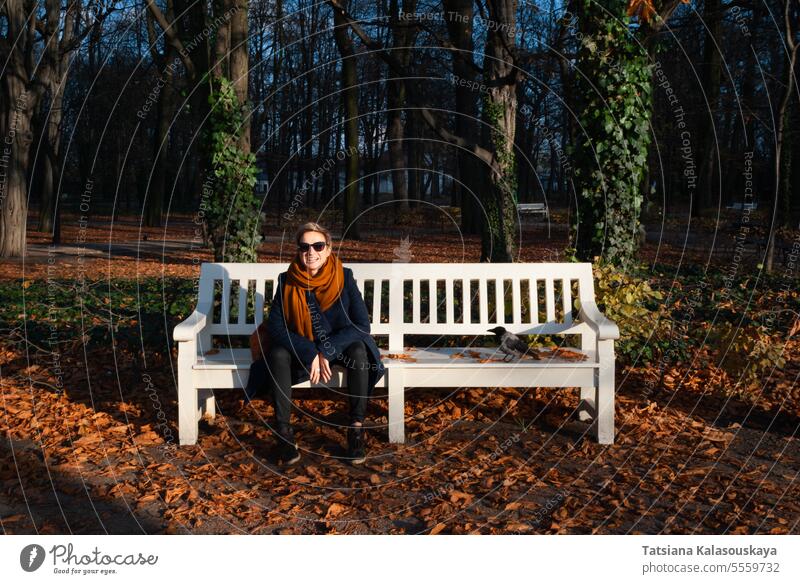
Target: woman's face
312 259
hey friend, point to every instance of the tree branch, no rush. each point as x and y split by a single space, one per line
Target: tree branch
171 37
424 110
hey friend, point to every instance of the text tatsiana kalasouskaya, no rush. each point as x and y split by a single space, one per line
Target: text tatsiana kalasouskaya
709 550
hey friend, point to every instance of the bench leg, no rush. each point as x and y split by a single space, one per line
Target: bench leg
587 409
207 402
188 413
605 393
397 431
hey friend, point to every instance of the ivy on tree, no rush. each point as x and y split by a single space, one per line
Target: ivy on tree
233 212
613 96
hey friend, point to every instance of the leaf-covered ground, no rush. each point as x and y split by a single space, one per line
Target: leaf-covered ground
95 451
93 459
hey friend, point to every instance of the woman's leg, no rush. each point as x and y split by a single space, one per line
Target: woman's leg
358 365
257 381
279 382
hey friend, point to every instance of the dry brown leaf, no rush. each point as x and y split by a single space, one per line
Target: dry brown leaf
437 528
455 496
334 510
717 436
401 357
12 518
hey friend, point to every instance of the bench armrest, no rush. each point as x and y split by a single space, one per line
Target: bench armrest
188 329
591 315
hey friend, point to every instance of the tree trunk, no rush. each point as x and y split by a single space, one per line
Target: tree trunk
54 79
29 72
780 130
499 197
49 167
414 147
459 17
396 100
711 79
611 101
165 112
165 108
239 65
14 158
350 98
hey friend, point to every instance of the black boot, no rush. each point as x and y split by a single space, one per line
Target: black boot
287 447
356 445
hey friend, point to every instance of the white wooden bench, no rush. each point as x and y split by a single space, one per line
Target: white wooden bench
533 209
534 299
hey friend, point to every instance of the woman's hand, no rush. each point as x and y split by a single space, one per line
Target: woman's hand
325 368
320 369
313 375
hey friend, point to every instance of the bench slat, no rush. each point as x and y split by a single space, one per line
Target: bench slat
416 301
515 301
244 285
261 285
226 300
484 300
533 292
466 302
377 290
470 357
500 301
433 301
550 302
566 287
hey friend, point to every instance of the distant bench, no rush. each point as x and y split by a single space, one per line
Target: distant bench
535 298
533 209
742 206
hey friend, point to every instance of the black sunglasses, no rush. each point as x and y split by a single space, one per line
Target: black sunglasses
317 245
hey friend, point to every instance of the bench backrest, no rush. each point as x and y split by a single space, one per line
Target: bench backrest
429 299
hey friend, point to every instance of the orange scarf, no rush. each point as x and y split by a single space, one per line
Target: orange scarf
327 285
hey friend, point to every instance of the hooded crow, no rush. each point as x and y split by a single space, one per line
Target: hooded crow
511 344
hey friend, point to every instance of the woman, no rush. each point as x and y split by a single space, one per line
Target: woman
317 319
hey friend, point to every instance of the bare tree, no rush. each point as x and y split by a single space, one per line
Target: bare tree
790 19
49 155
459 16
402 38
38 37
350 106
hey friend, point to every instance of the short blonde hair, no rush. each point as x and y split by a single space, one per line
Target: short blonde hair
306 227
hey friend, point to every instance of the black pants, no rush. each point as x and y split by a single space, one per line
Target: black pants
276 375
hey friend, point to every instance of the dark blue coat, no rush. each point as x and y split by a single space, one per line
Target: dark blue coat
345 322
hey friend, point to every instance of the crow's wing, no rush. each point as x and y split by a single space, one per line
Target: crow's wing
514 343
503 348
